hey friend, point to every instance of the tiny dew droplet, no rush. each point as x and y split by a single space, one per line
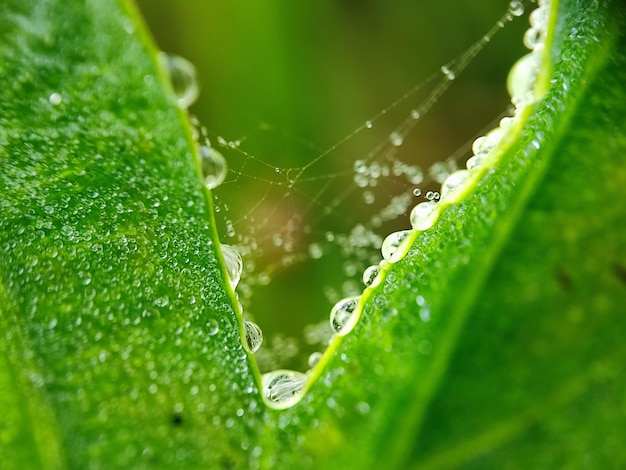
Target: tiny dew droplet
369 124
392 243
183 78
415 114
254 335
283 388
450 75
55 99
430 195
234 264
344 315
214 168
417 192
422 216
370 276
396 139
212 327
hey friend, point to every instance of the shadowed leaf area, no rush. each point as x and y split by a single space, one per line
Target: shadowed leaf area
497 342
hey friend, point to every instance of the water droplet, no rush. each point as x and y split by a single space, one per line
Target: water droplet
432 195
315 251
392 243
55 99
344 315
314 358
396 139
414 174
370 276
129 26
521 80
539 17
516 8
486 143
417 192
453 181
368 197
475 162
415 114
532 38
162 302
234 264
423 216
363 407
369 124
425 347
477 145
214 166
441 170
283 388
450 75
254 335
212 327
505 123
183 78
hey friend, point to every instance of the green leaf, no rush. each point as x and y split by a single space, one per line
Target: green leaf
496 342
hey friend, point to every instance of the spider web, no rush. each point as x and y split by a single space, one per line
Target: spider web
308 218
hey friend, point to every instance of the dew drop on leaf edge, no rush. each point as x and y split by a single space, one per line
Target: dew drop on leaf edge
254 336
283 388
183 78
344 315
214 167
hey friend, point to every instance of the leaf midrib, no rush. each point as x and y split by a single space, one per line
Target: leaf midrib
415 414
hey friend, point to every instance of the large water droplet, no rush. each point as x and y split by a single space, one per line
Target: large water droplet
234 264
423 216
392 243
283 388
344 315
214 166
183 78
254 335
521 80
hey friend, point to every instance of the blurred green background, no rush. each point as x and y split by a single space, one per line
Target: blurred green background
290 78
